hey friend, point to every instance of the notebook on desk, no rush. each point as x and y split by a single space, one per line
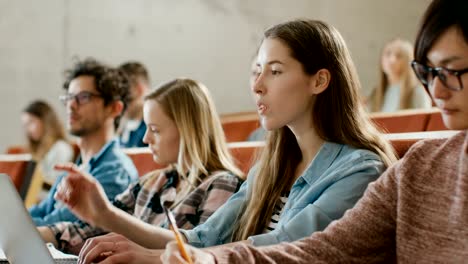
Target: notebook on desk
20 242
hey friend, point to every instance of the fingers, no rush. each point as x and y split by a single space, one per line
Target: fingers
66 191
63 191
68 167
172 254
74 171
75 182
98 247
101 250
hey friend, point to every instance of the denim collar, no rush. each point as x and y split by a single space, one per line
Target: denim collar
322 161
114 143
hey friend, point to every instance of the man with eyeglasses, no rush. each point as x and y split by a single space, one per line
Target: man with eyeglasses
95 98
417 211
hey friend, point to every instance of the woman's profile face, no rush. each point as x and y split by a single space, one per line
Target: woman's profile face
161 134
393 59
281 88
33 126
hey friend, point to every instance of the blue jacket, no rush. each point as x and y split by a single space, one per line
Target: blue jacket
110 166
332 184
135 139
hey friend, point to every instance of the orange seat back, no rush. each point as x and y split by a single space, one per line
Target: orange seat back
238 126
17 149
435 122
239 131
243 154
143 160
20 168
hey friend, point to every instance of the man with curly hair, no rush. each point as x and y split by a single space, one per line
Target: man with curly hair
96 97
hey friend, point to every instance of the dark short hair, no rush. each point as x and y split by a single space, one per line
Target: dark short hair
135 71
112 84
440 16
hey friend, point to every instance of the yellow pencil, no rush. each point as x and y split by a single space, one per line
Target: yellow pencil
178 236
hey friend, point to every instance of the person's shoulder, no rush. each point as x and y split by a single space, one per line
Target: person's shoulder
354 154
61 146
222 177
431 148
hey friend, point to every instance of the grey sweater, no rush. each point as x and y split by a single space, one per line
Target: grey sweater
416 212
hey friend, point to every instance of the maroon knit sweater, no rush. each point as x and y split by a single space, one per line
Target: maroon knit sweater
416 212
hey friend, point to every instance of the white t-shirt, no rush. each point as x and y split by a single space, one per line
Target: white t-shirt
391 101
60 152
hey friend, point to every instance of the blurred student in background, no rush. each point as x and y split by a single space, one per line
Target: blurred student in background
398 87
46 140
132 127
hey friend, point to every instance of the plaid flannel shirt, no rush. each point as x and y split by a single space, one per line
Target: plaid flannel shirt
143 200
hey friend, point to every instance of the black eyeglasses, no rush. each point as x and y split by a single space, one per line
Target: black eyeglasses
80 98
450 78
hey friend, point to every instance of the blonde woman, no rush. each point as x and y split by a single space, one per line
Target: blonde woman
184 132
47 142
398 87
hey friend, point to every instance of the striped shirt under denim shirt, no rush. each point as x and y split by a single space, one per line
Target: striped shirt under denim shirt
277 211
143 200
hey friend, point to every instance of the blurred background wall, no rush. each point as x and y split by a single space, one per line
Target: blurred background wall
212 41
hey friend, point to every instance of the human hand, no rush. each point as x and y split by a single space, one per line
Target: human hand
172 255
82 194
47 235
114 248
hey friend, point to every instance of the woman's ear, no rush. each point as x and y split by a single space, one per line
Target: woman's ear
320 81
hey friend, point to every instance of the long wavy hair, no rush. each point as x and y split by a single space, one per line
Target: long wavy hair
202 147
52 128
337 115
408 79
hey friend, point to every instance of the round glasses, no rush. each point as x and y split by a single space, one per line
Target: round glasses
79 98
450 78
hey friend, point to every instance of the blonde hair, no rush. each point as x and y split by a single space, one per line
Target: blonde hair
337 115
53 129
202 147
409 81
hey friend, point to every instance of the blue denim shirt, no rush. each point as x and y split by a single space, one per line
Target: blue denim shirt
110 166
331 184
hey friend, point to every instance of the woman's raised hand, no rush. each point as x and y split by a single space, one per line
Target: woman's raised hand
82 193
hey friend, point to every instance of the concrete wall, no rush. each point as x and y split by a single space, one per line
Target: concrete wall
209 40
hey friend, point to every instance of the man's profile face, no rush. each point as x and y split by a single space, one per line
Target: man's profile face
87 113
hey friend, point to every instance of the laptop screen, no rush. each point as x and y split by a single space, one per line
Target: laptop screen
19 238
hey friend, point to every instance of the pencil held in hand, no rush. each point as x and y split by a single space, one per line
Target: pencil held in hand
178 236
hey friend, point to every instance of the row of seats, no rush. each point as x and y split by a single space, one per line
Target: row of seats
238 126
21 167
415 120
245 153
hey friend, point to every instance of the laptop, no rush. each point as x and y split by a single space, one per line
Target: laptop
20 242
